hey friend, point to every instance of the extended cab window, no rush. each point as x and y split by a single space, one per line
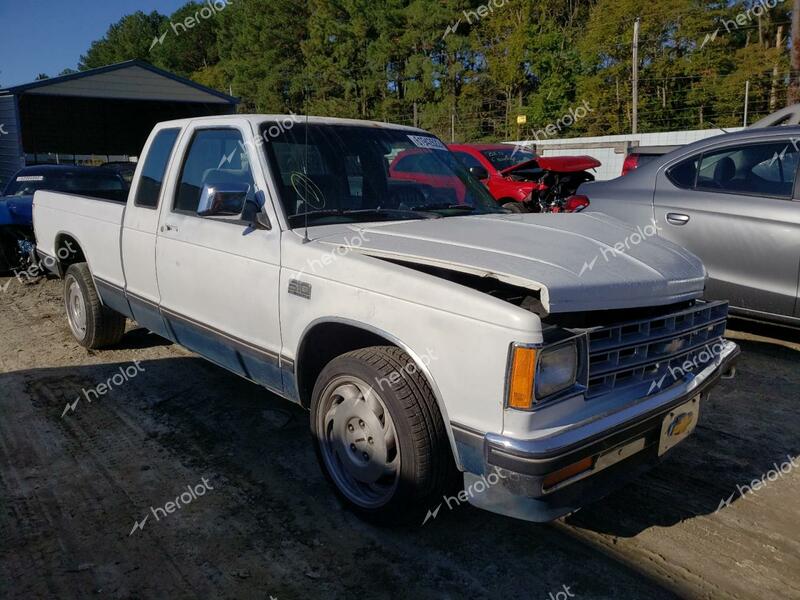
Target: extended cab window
155 166
216 157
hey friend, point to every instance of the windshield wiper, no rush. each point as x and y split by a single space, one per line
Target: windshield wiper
444 206
320 213
414 213
360 212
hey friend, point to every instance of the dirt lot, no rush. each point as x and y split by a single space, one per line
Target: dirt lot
72 488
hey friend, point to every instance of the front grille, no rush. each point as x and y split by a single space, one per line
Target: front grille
649 355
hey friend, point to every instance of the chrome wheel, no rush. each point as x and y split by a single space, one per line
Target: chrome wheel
76 309
358 442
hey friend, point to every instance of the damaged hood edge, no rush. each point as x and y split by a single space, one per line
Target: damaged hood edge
514 280
533 286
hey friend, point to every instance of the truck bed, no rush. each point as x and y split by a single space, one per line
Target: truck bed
57 217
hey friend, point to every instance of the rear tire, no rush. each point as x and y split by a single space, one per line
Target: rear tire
92 324
379 436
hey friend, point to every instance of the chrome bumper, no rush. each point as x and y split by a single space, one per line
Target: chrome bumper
522 465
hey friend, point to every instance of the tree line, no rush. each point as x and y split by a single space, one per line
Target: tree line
471 69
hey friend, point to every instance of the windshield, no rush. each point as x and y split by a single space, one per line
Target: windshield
506 158
345 173
101 184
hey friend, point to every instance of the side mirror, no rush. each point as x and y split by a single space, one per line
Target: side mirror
254 215
479 173
225 199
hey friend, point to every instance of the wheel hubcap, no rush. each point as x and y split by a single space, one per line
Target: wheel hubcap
76 310
359 442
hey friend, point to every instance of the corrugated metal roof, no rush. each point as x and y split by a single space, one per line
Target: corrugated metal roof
130 80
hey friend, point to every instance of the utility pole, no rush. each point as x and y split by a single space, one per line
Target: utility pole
794 86
635 119
773 93
746 100
453 127
416 115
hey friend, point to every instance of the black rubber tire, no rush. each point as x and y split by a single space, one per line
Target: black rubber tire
104 327
515 207
427 469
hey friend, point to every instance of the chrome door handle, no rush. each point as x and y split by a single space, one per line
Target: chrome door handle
168 227
677 218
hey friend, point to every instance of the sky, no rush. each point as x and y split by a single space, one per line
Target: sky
48 36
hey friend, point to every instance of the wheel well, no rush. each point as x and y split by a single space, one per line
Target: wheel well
68 252
322 344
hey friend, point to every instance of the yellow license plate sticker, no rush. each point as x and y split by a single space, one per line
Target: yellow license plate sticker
678 424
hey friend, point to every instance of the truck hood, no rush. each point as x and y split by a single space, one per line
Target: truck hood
576 262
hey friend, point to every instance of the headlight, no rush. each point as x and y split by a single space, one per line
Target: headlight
536 374
557 370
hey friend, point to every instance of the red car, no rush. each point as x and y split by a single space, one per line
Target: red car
418 165
523 182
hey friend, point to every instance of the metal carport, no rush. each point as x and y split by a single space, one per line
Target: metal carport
95 114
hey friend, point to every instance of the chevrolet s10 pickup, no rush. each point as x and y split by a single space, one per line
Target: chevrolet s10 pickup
438 340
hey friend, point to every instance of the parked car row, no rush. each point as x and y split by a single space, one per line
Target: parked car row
16 227
439 341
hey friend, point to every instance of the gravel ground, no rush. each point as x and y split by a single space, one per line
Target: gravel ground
261 523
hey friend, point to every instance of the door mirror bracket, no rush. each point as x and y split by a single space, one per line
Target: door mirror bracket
254 215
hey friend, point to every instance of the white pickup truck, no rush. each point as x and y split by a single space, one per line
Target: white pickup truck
534 360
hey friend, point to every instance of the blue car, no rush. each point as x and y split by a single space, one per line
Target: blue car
16 203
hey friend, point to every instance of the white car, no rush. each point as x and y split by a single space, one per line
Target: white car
436 339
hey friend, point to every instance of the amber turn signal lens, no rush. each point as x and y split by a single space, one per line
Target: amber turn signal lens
523 368
568 472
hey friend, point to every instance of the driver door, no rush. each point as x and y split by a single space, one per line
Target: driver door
218 276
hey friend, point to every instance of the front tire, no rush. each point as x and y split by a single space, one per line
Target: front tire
92 324
379 436
515 207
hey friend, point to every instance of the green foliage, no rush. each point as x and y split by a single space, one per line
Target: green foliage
129 38
468 68
190 43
